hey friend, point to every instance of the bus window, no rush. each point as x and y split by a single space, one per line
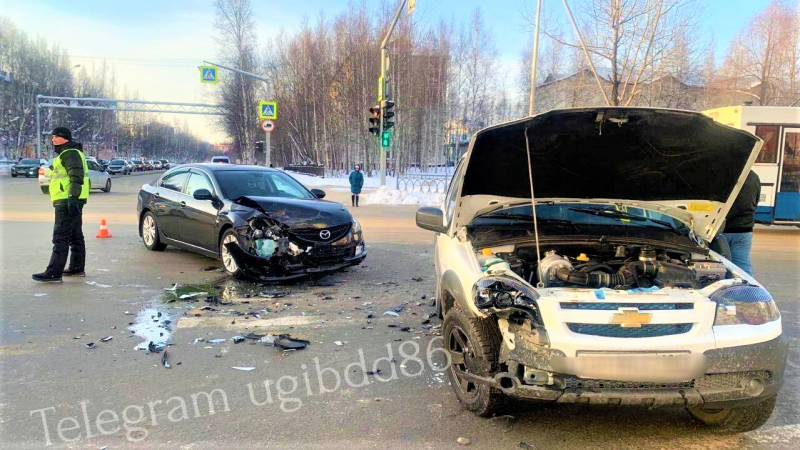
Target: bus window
769 152
790 176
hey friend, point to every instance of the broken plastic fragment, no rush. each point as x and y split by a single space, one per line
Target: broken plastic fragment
245 369
237 339
265 248
216 341
90 345
268 339
107 338
339 343
390 313
173 288
40 295
165 360
192 295
287 342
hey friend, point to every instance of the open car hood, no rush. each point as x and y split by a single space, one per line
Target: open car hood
681 163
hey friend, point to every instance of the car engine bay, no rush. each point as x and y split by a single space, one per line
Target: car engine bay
606 265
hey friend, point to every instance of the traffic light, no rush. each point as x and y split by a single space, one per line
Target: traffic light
375 120
388 114
386 138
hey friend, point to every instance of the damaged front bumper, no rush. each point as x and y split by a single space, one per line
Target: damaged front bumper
733 376
285 269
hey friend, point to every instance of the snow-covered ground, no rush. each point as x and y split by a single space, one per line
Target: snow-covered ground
385 195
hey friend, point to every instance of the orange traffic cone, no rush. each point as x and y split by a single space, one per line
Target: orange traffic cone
103 233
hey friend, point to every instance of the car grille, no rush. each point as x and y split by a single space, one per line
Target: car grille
614 330
312 234
733 380
328 253
575 383
615 306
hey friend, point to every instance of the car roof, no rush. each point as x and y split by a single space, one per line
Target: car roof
211 167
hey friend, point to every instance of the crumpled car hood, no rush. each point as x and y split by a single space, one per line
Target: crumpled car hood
297 213
679 162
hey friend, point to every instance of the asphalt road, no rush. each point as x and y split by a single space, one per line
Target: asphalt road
50 376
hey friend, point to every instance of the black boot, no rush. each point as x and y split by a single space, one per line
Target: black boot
44 277
356 201
353 200
73 273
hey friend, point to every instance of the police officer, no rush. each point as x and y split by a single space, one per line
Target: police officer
69 190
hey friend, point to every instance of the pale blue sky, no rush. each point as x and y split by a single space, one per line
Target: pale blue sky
157 44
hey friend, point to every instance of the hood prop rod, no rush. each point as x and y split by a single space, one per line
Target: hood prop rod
540 283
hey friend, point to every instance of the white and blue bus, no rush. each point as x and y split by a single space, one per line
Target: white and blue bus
778 164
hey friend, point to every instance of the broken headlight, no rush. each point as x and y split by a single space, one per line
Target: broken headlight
744 305
356 229
505 292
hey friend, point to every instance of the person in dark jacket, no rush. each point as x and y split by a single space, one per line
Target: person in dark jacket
740 221
356 183
69 191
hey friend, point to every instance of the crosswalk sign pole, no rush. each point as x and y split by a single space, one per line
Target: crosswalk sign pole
267 151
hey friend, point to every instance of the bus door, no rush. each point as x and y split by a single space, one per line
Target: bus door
787 200
768 171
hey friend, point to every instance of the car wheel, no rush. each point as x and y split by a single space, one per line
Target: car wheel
227 259
736 419
149 229
108 186
13 175
45 189
474 346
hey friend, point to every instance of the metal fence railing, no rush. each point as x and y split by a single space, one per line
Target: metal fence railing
308 169
423 183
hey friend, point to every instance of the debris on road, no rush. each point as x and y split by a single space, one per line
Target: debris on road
41 294
339 343
90 345
152 328
390 313
417 279
527 445
245 369
237 339
192 295
272 294
463 441
106 339
268 340
165 360
407 329
216 341
173 288
287 342
95 283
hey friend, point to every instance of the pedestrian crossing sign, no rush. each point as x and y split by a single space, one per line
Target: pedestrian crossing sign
208 74
267 110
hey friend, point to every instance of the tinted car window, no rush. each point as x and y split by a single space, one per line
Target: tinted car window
93 166
198 181
259 183
174 181
117 162
30 162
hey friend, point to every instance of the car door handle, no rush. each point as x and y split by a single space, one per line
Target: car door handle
183 204
157 195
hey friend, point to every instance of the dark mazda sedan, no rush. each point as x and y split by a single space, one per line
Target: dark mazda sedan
260 222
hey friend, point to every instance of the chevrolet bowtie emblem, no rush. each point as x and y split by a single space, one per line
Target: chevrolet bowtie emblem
630 318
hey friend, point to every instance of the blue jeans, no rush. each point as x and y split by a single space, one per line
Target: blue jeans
740 244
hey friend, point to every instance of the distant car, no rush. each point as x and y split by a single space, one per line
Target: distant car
131 166
138 164
156 164
148 165
103 163
221 159
118 166
165 164
260 222
98 178
28 167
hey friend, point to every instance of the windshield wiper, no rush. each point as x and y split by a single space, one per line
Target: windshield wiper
624 215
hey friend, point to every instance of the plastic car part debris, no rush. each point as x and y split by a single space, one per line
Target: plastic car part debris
245 369
370 316
268 339
216 341
463 441
272 294
527 445
192 295
254 336
407 329
173 288
417 279
287 342
399 308
198 340
165 360
390 313
90 345
76 337
152 347
339 343
237 339
107 338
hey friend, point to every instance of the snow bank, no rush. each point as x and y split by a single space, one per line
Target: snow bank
386 196
344 181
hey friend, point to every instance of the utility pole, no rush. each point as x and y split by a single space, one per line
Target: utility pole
534 59
382 87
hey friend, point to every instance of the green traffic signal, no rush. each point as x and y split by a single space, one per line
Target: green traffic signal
386 139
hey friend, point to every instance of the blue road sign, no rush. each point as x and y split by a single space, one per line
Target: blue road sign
208 74
267 110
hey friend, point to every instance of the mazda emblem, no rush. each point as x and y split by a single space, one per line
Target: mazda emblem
325 234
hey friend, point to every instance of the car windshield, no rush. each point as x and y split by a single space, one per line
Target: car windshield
136 161
586 214
117 162
30 162
259 183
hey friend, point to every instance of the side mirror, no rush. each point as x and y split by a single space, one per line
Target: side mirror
319 193
431 219
203 194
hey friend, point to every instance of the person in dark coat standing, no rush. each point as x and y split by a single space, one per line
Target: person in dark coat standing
356 183
740 221
69 191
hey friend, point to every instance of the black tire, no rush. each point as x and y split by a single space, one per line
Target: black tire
222 252
478 356
13 175
155 245
45 189
737 419
107 189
